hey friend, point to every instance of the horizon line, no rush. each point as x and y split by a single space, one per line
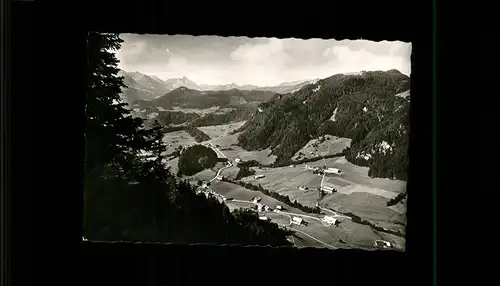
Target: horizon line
241 85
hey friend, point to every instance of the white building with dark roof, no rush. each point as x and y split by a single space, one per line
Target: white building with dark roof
329 220
297 220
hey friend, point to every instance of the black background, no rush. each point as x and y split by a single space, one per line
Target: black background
48 65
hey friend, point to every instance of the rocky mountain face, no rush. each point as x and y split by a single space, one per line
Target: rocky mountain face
372 108
141 87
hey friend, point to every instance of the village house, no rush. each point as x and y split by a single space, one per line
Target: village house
327 189
334 171
297 220
330 220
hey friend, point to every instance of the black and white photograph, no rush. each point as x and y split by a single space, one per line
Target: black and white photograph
247 141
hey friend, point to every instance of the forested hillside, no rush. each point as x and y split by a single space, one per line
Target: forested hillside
362 107
132 198
191 119
235 115
189 98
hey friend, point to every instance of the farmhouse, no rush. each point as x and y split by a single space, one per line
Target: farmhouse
237 160
278 207
334 171
329 220
296 220
327 189
263 218
258 176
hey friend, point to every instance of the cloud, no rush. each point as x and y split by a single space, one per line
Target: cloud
259 61
270 53
342 58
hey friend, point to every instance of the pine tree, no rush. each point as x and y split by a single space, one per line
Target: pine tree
112 136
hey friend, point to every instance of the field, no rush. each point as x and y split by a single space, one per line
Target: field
286 181
357 193
198 111
327 145
220 130
262 157
369 207
205 175
239 193
344 235
359 175
176 139
227 145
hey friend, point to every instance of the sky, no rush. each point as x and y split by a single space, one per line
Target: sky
218 60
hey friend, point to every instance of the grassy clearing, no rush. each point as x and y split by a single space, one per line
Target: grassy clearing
197 111
277 218
365 201
286 181
358 235
205 175
226 141
240 193
264 157
323 146
219 130
176 139
368 206
359 175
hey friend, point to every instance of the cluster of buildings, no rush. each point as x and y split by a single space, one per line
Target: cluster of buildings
318 170
263 208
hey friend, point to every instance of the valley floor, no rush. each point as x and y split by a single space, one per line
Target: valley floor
357 193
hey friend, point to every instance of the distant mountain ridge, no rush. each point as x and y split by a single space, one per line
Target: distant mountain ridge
183 97
146 87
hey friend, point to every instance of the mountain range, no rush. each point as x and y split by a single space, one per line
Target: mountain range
146 87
